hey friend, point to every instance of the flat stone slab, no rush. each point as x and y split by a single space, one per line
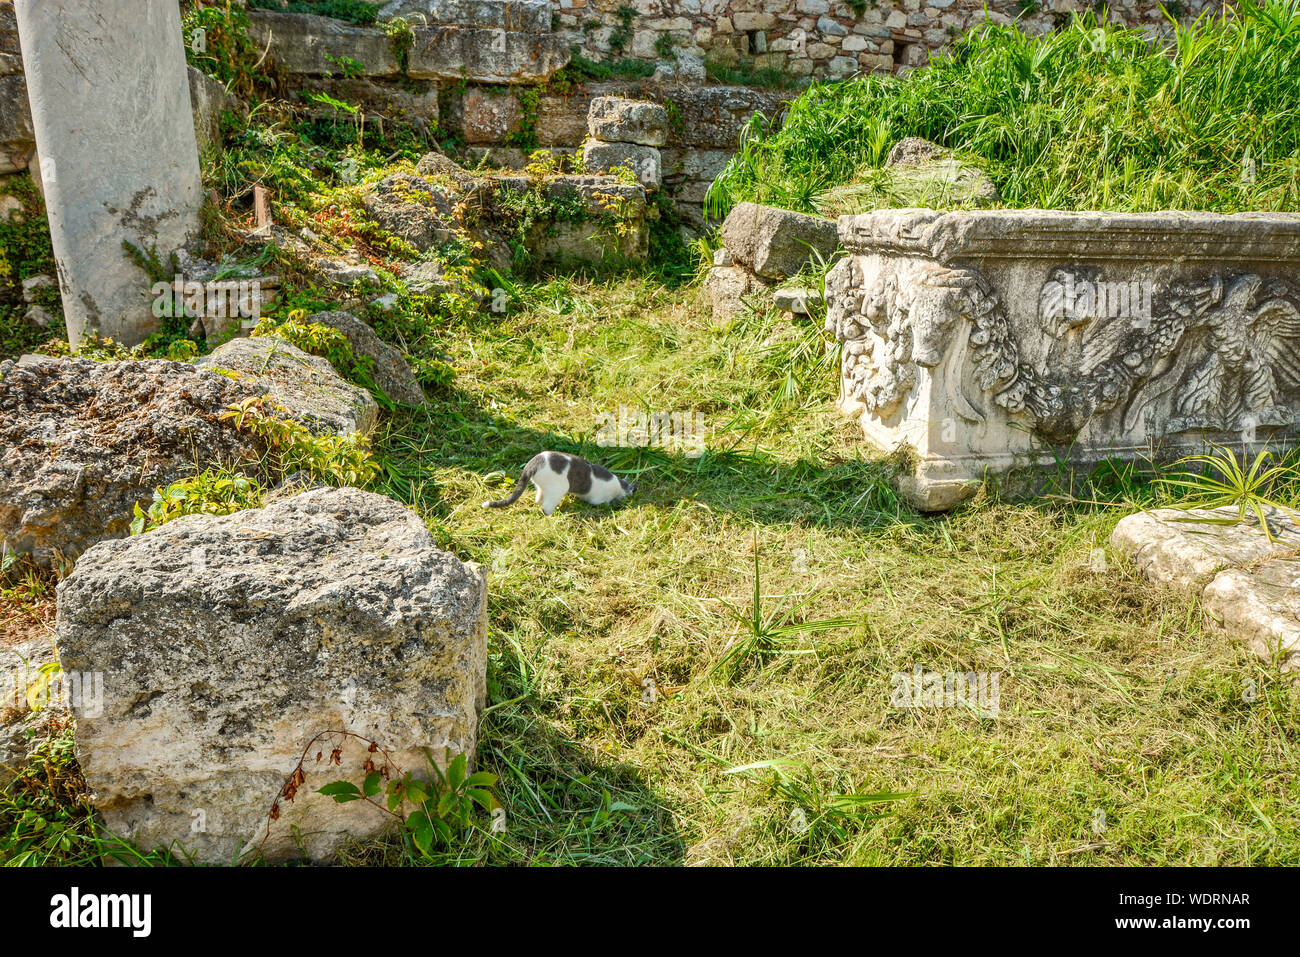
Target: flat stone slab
233 647
1249 586
1188 547
615 119
306 385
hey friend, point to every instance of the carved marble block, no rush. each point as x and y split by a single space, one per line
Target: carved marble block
1005 341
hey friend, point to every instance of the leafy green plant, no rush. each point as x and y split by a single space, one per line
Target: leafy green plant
211 492
338 460
761 634
438 806
816 810
45 814
1225 482
1091 116
225 50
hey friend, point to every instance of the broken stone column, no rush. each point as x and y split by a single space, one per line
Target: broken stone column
119 162
626 133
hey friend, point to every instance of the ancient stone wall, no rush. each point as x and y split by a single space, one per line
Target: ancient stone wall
816 37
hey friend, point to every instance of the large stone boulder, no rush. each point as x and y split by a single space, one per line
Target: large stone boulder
614 119
390 369
85 441
611 230
532 16
235 647
777 243
1188 547
300 43
306 385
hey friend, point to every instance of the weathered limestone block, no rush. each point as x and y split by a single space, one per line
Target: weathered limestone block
408 101
208 100
644 161
1261 606
318 46
611 232
1004 340
1188 547
485 55
1249 585
85 441
391 371
489 116
228 644
306 385
614 119
776 243
798 301
119 161
731 289
17 138
528 16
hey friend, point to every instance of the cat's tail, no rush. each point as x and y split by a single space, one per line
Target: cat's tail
529 471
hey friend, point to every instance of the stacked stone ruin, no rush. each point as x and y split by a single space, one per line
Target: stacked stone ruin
626 134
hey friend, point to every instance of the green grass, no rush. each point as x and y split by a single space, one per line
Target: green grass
1086 117
1115 696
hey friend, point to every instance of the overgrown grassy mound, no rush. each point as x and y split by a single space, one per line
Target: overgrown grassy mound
1089 117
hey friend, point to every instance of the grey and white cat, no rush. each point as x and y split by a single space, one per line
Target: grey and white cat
556 474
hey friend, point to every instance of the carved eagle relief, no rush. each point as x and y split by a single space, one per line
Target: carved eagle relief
1253 365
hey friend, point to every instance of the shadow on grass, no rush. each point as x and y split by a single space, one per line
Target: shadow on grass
453 431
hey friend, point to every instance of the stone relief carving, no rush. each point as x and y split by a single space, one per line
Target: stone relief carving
1107 341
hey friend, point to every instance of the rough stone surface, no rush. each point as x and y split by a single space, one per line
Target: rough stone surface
227 644
306 385
1006 341
613 230
530 16
413 209
799 301
391 371
485 55
1249 586
776 243
1262 607
209 99
17 138
85 441
489 116
111 175
617 120
22 730
306 44
644 161
730 288
1187 547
